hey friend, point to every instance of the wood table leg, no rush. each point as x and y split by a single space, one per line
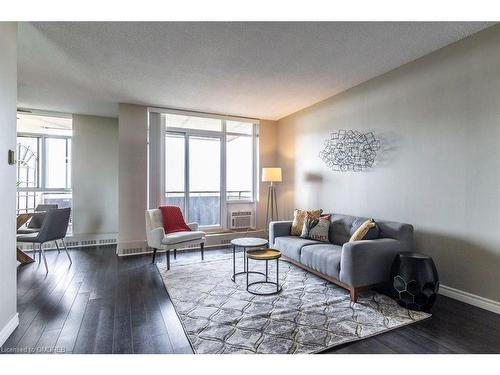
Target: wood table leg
23 258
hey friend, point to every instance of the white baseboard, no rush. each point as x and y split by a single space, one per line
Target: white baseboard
132 248
9 328
471 299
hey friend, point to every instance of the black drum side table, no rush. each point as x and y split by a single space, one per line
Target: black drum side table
414 281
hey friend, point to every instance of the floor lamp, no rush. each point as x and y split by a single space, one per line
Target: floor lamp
271 175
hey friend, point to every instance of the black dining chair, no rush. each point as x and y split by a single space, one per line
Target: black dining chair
54 227
36 221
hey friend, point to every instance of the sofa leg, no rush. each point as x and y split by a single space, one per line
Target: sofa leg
154 255
168 259
354 294
202 246
175 253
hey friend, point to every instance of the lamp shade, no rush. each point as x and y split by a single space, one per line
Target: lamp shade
271 174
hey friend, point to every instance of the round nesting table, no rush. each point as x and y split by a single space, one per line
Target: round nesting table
245 243
267 255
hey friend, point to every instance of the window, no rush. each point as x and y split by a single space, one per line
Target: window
174 170
204 180
192 122
43 162
209 162
239 167
239 127
58 162
28 149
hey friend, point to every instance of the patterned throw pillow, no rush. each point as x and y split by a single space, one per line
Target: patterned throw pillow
316 228
299 217
363 229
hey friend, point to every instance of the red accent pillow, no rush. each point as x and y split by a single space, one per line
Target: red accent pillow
173 220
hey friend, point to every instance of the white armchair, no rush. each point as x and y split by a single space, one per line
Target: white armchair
159 240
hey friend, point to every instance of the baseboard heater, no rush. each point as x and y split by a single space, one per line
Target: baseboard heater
78 241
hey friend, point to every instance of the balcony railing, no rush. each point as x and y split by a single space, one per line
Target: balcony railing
204 206
27 200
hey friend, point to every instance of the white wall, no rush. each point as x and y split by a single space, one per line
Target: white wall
95 175
268 142
8 105
439 168
132 176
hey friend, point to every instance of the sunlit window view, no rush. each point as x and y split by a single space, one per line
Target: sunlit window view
239 160
175 166
196 164
204 180
43 162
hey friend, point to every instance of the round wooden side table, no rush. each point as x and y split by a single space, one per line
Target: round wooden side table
267 255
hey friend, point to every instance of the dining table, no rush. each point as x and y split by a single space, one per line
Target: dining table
21 256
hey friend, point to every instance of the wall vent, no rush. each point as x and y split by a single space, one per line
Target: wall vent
108 241
88 242
131 250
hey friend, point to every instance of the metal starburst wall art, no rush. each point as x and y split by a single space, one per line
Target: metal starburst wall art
350 150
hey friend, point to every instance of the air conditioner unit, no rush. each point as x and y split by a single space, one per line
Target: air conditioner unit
240 219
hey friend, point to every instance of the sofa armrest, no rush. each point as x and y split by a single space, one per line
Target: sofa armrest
368 262
193 226
155 236
279 229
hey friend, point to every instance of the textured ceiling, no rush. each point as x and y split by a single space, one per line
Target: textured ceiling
262 70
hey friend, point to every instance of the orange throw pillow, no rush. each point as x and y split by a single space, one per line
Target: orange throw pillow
298 219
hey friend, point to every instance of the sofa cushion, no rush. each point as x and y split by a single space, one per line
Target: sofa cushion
290 246
179 237
340 229
324 258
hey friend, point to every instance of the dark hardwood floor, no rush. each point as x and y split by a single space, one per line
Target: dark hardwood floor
107 304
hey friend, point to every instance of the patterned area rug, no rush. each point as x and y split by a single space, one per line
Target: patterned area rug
308 316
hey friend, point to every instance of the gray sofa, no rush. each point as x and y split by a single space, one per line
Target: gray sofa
355 266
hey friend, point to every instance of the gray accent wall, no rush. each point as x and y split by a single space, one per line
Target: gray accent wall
439 167
95 175
8 105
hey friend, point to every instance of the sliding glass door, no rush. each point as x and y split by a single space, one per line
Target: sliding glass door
204 180
175 166
210 166
193 171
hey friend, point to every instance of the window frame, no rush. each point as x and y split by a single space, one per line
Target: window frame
42 165
253 194
222 134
